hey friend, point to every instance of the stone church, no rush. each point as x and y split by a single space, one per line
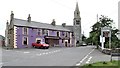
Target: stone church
76 28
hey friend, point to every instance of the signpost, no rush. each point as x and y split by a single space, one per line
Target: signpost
105 33
102 40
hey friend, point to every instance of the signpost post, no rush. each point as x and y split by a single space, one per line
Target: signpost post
105 33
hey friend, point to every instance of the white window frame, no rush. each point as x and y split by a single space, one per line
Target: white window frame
39 31
23 40
24 30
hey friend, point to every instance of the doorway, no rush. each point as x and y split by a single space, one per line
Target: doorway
65 44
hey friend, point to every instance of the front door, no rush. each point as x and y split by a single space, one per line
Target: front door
66 44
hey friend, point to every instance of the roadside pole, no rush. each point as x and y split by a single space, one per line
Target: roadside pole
106 32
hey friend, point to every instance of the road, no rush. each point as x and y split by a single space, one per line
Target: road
55 56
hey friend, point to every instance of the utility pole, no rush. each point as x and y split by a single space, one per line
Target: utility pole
97 17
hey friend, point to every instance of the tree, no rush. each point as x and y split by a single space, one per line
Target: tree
84 38
96 32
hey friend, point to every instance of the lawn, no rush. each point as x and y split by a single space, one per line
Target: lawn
113 64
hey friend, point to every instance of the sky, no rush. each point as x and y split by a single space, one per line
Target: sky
60 10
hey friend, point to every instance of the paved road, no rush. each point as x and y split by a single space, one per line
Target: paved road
66 56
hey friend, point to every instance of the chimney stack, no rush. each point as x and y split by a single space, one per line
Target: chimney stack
29 18
53 22
63 24
11 16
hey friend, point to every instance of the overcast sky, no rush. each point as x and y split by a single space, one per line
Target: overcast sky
60 10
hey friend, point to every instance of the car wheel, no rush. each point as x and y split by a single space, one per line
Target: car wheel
44 47
33 46
47 47
39 47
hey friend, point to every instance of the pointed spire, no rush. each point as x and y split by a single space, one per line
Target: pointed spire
7 25
77 7
7 22
77 12
12 13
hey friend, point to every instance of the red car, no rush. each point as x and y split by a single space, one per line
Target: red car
40 45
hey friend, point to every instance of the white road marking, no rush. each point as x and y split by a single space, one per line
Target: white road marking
46 53
17 51
49 52
89 60
1 63
26 52
54 51
58 50
38 54
43 53
86 57
78 64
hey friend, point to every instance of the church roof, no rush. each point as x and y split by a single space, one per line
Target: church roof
34 24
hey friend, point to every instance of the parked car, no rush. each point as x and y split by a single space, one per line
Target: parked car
84 44
40 45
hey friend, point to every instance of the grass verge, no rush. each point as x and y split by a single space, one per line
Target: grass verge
113 64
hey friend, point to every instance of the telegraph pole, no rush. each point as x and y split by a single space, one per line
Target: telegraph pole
97 17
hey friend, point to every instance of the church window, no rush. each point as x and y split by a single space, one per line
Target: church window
77 13
77 22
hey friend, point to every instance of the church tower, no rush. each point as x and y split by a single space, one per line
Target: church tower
77 25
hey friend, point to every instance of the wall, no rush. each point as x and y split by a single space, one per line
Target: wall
32 35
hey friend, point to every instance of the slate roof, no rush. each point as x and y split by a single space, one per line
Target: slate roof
69 27
21 22
2 37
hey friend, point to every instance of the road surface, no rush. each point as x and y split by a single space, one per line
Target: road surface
55 56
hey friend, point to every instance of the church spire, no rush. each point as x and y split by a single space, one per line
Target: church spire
77 7
77 12
77 25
